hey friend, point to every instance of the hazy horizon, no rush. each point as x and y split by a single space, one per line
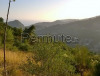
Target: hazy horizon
30 22
49 10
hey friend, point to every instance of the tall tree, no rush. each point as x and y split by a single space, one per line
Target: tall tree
83 60
30 30
1 19
5 37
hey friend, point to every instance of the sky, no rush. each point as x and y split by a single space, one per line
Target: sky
50 10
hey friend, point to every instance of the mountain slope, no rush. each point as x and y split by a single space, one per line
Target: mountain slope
43 25
16 24
87 30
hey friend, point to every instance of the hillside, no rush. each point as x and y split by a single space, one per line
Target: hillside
16 23
87 30
43 25
27 58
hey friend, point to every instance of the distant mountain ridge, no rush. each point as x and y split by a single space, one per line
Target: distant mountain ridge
87 30
42 25
16 24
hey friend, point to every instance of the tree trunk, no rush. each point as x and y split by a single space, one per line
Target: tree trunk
5 40
82 73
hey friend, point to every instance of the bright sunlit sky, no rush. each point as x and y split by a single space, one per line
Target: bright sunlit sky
50 10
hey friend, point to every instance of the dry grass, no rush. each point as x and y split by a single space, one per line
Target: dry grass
13 60
14 57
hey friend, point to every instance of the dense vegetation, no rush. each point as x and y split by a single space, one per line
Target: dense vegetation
45 59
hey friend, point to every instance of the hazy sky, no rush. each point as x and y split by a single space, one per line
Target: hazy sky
50 10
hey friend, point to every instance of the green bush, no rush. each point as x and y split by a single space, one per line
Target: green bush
52 59
97 70
24 47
